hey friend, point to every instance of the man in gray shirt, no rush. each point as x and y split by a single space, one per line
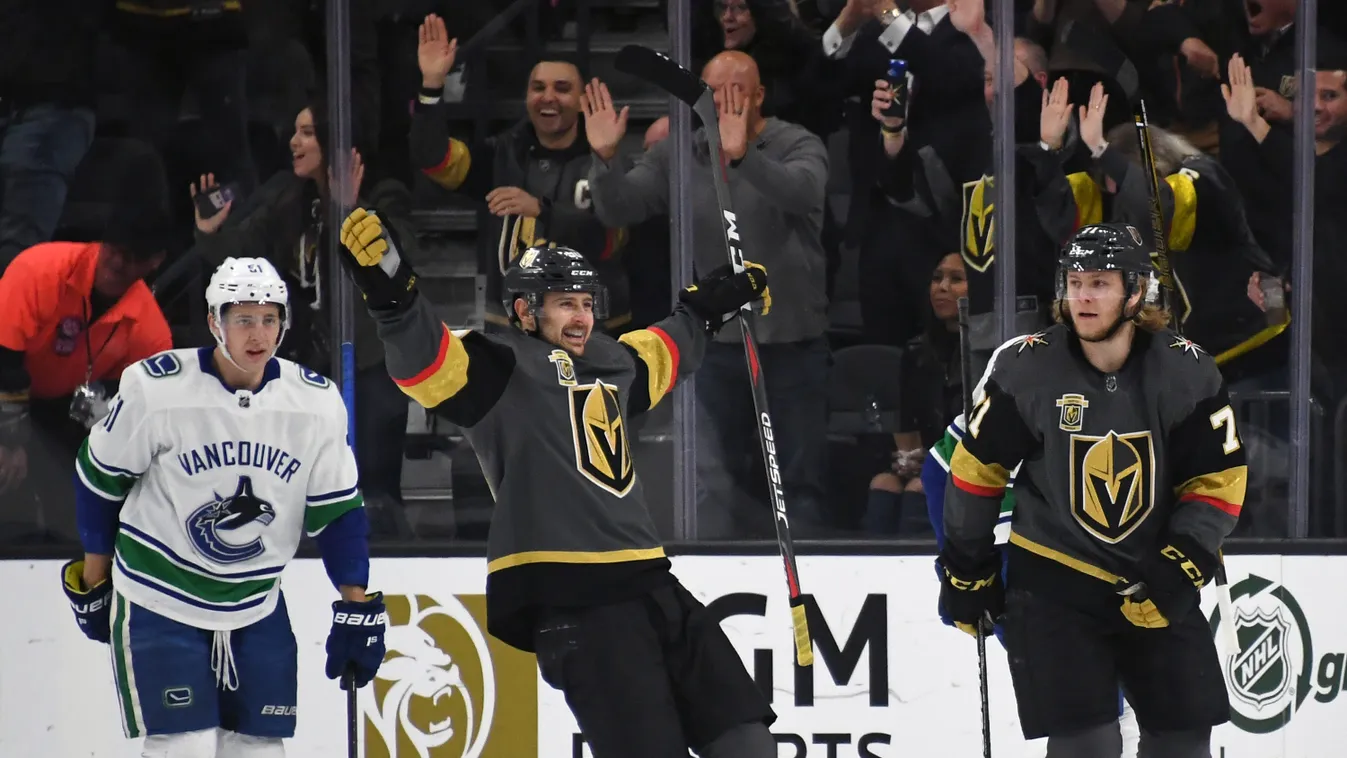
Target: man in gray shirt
777 174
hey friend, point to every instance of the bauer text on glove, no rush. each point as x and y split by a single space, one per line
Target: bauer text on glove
357 638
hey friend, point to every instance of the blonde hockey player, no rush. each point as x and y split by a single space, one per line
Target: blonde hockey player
192 495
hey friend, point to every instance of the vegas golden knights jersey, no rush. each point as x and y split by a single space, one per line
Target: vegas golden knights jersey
1112 463
570 526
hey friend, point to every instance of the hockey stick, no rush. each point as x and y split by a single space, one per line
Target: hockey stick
644 63
352 714
966 372
1167 279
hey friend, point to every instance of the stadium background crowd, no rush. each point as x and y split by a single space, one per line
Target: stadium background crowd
115 117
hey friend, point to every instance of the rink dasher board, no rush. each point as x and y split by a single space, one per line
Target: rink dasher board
889 680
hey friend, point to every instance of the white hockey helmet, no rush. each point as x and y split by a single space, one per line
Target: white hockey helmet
246 280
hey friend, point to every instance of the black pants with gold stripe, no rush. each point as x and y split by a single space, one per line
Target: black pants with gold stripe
651 677
1066 665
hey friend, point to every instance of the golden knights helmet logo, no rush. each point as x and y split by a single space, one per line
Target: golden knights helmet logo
1112 483
602 452
978 227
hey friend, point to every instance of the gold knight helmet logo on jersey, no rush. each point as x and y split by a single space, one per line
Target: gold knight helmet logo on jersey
978 225
446 689
1112 483
602 452
1073 411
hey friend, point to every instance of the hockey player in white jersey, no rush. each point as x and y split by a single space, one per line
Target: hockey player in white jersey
192 495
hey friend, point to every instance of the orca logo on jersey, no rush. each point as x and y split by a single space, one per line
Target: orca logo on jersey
601 450
978 225
232 514
1112 483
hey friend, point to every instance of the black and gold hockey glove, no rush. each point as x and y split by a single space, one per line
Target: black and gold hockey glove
971 592
384 277
716 296
1171 583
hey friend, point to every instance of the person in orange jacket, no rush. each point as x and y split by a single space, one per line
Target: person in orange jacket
73 315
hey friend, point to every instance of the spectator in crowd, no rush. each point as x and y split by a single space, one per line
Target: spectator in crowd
46 114
1256 152
73 316
931 397
531 177
796 75
171 47
288 221
777 174
1090 41
947 112
943 213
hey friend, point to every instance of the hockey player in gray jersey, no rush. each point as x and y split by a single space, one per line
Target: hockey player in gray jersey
1133 474
576 573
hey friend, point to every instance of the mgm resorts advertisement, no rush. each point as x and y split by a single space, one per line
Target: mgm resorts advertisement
888 679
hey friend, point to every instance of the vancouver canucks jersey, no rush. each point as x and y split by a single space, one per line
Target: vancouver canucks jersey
1112 463
218 485
551 431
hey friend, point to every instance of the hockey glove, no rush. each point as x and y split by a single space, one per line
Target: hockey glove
716 297
384 277
357 638
971 593
1172 579
92 605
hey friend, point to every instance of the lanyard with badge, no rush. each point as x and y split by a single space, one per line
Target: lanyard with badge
90 402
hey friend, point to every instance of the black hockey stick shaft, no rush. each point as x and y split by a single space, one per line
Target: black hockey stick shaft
1159 237
662 71
352 714
966 376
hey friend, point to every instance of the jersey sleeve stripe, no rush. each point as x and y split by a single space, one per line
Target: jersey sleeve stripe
317 517
453 169
1232 509
443 378
1223 490
975 477
100 479
227 605
659 352
333 496
150 543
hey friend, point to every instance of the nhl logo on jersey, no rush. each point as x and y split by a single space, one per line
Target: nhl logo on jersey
565 368
1073 411
602 453
236 514
1112 483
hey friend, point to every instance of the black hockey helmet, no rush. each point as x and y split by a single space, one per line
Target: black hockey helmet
551 269
1109 247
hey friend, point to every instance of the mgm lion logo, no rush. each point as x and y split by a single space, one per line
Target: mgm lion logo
446 689
1112 483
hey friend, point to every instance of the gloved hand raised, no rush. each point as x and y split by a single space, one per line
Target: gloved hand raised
716 296
375 261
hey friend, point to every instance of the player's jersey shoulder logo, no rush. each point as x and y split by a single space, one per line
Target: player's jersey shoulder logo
227 529
602 452
565 367
1073 411
1188 346
1031 341
978 226
1112 482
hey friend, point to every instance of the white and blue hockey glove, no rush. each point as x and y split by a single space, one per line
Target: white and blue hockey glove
92 605
356 641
